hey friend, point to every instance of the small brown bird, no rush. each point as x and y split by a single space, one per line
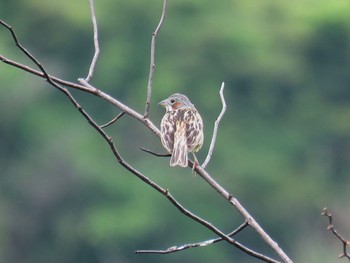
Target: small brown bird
181 129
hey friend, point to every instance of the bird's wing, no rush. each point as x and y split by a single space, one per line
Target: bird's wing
194 129
167 127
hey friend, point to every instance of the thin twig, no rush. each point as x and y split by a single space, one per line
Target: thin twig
193 245
96 44
113 120
216 127
345 243
152 61
155 154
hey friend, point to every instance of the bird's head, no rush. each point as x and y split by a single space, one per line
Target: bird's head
176 101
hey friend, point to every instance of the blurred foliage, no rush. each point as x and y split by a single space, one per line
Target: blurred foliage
283 148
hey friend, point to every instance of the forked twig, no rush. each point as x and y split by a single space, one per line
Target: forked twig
193 245
216 127
345 243
152 61
96 44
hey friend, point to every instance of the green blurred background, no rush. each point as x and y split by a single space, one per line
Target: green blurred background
283 147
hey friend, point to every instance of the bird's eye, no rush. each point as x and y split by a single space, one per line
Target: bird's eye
172 101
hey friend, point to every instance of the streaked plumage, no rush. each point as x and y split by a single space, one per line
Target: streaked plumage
181 129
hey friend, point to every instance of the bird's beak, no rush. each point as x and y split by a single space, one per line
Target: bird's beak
163 103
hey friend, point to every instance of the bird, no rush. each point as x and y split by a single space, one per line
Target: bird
181 129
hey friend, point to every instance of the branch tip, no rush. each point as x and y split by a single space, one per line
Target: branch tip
96 43
216 127
152 60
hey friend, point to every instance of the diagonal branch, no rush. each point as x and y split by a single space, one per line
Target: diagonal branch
345 243
152 62
193 245
216 127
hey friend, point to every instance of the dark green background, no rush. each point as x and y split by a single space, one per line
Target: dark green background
283 147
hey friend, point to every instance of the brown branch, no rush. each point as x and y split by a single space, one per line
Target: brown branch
345 243
152 61
216 127
193 245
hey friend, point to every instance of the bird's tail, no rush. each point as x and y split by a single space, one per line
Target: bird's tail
179 154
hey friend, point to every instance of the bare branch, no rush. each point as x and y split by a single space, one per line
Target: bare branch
133 170
193 245
90 89
155 154
87 88
109 140
152 62
155 130
345 243
151 126
113 120
96 44
216 127
40 74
